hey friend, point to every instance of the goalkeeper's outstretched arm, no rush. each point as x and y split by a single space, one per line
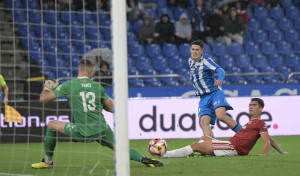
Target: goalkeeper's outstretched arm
47 96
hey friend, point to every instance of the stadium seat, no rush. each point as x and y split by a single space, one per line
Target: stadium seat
268 48
65 16
17 4
270 79
297 47
40 29
285 24
160 63
219 49
51 16
176 62
170 50
261 13
131 63
291 36
255 79
253 25
184 50
35 53
276 13
143 63
227 61
252 48
292 13
136 82
32 5
297 24
243 61
136 51
185 73
84 49
292 61
153 50
259 61
236 49
35 16
136 26
23 29
169 81
260 36
284 48
286 3
84 16
275 36
19 16
206 49
150 13
269 24
106 30
102 16
285 71
248 37
165 10
178 12
131 38
276 61
152 82
233 69
250 13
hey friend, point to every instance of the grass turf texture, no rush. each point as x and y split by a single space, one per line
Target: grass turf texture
70 159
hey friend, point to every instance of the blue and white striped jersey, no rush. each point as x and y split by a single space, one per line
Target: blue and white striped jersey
201 75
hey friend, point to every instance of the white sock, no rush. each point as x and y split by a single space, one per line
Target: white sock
179 153
200 141
48 159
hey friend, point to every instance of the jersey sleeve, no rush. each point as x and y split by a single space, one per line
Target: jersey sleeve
62 90
104 96
262 127
2 81
210 63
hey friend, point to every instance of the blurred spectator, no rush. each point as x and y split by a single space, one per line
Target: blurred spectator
209 5
149 4
103 72
257 3
214 27
234 28
177 3
102 4
51 4
134 10
272 3
242 11
183 30
198 14
147 32
166 30
32 89
225 11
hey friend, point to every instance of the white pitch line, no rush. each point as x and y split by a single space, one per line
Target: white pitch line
1 173
92 170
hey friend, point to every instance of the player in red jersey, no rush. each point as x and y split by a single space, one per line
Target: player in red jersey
240 144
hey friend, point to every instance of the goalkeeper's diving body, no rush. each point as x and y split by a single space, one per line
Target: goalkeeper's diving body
87 99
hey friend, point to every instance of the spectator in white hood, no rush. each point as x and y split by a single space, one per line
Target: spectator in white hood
183 30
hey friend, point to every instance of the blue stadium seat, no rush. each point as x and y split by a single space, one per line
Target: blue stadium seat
250 13
143 63
84 16
248 37
233 69
19 16
276 13
178 12
150 13
169 81
160 63
286 3
261 13
24 29
236 49
65 16
275 36
269 24
297 47
292 12
170 50
285 71
297 24
285 48
253 25
131 38
206 49
91 28
184 50
106 31
291 36
136 26
227 61
136 51
165 10
153 50
35 53
151 81
32 5
219 49
276 61
176 62
260 61
252 48
268 48
58 28
17 4
102 16
255 79
136 82
285 24
131 63
84 49
260 36
40 29
185 73
51 16
30 41
270 79
292 61
35 16
243 61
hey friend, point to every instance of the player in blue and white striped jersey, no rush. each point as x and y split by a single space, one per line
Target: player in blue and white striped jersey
212 103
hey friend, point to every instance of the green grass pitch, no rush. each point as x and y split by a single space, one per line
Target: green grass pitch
79 159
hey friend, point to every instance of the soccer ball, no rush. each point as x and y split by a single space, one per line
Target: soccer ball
157 147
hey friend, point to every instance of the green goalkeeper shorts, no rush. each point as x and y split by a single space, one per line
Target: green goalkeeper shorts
105 138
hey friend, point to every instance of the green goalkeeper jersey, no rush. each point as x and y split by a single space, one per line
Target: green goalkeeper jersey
86 98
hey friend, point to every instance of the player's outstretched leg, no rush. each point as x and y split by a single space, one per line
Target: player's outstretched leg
42 165
151 162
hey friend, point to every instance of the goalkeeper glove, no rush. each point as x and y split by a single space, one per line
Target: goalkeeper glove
50 84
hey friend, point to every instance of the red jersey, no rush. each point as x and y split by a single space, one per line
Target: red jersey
244 140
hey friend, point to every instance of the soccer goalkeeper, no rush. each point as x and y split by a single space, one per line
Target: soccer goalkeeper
87 99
